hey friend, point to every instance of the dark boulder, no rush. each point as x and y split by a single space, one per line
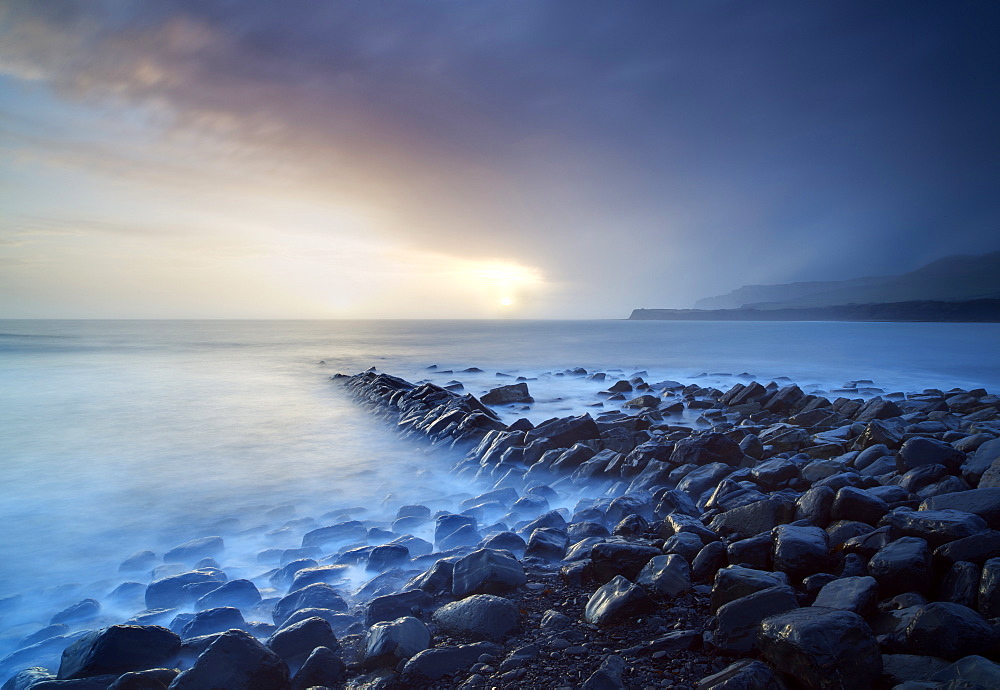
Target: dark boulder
238 593
296 642
976 549
983 502
949 631
739 620
504 395
708 561
611 559
921 450
936 527
822 648
706 449
119 649
486 571
176 590
960 584
773 473
235 661
736 581
389 642
667 576
752 519
318 596
983 468
816 505
617 601
210 621
566 431
323 668
547 543
434 664
858 594
392 606
481 616
800 551
387 556
754 552
857 504
902 566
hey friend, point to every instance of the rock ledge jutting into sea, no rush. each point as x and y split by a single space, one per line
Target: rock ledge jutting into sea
784 539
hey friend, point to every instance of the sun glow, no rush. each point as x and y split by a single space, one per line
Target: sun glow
506 301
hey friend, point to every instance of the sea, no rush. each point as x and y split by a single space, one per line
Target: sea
122 436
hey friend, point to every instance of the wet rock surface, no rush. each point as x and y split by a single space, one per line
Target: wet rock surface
785 539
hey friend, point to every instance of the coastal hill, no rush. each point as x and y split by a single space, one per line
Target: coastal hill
964 311
954 278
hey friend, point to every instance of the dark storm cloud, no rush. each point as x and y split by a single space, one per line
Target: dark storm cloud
695 146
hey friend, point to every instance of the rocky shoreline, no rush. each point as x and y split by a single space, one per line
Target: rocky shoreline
785 540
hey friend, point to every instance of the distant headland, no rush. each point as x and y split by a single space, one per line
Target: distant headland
953 289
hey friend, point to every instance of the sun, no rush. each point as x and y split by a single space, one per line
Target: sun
506 301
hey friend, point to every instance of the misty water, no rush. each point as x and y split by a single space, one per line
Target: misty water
120 436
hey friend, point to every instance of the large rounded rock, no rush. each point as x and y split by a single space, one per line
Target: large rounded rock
238 593
920 450
983 502
705 449
295 643
505 395
857 504
176 590
858 594
119 649
735 581
800 551
315 596
481 616
547 543
235 661
616 601
386 556
390 641
392 606
211 621
323 668
611 559
739 620
936 527
902 566
668 576
434 664
822 649
486 571
950 631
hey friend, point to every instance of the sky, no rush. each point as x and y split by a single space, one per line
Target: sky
486 159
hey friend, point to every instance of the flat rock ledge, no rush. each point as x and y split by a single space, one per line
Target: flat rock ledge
784 540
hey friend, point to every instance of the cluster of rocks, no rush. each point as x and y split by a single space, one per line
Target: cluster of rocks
788 540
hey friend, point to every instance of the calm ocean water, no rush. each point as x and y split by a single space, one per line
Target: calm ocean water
121 435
